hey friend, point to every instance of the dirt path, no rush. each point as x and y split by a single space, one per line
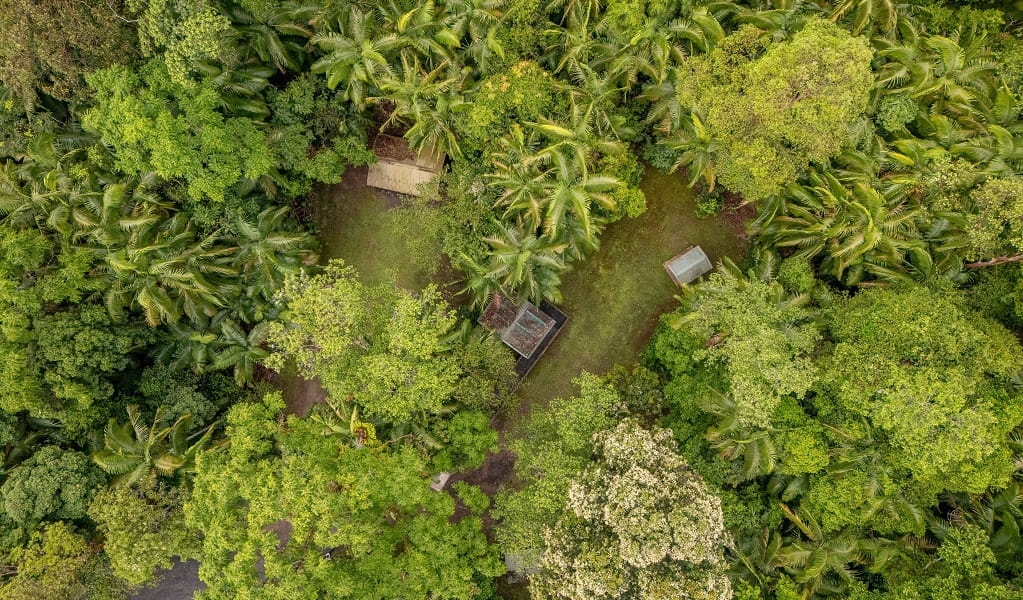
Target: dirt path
180 582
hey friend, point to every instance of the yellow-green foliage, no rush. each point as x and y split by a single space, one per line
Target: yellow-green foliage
524 92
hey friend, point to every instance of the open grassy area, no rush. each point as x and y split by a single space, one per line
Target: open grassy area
615 296
356 223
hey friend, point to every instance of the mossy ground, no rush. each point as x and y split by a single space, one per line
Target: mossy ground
613 298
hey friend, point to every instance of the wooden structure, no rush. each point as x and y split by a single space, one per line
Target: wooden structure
399 168
523 327
688 266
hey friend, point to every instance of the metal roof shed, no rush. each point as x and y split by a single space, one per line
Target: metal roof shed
688 266
523 328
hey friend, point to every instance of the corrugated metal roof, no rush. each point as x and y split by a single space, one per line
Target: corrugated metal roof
687 266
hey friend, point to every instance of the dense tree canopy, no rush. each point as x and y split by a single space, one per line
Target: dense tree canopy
637 523
48 47
835 414
315 524
773 109
382 347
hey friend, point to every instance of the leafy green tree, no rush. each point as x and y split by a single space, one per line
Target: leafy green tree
556 447
965 570
49 46
993 231
775 114
317 526
935 378
522 93
59 563
380 347
143 528
759 334
178 393
185 33
52 484
79 352
637 523
175 130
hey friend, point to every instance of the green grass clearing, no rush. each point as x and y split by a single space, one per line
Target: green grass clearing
614 297
356 224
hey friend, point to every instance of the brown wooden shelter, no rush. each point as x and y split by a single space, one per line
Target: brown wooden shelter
401 169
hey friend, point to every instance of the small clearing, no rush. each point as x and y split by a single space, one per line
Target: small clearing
614 297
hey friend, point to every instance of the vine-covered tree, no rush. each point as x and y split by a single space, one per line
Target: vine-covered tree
49 46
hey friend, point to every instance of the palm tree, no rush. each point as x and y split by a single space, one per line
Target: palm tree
276 37
42 191
268 249
755 448
882 14
167 270
787 17
948 77
190 345
520 264
697 149
701 30
651 52
595 101
568 190
418 25
427 100
574 9
241 350
666 110
354 57
132 448
578 137
817 561
240 87
858 231
471 20
572 46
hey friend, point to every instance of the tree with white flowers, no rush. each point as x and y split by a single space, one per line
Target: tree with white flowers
638 523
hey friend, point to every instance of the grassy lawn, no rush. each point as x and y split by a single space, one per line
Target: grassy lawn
356 223
615 296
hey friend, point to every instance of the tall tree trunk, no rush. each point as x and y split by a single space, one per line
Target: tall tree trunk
998 260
